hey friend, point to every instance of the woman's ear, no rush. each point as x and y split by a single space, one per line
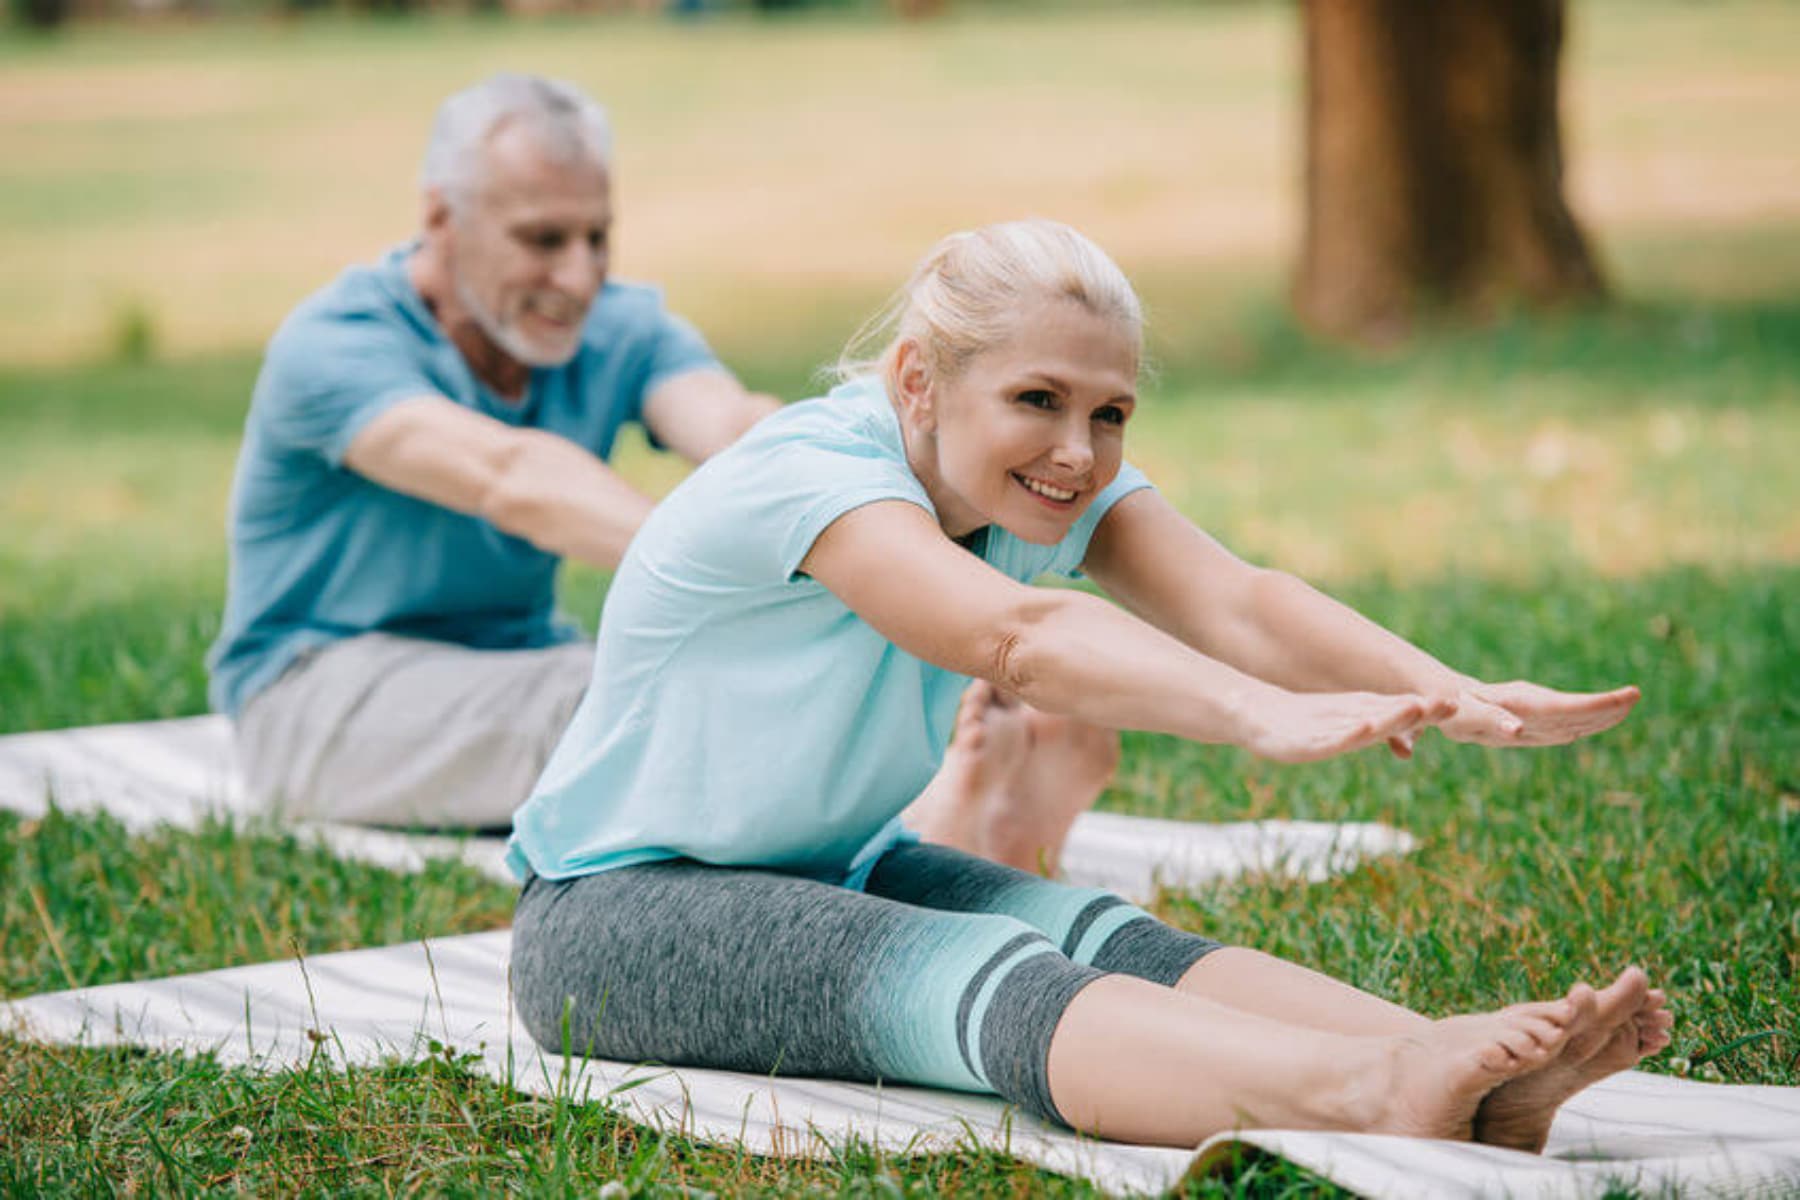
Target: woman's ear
912 387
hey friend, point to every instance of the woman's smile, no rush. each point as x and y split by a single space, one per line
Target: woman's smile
1057 497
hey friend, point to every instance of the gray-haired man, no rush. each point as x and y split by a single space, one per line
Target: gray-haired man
425 443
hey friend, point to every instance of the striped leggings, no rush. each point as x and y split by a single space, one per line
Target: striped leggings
949 970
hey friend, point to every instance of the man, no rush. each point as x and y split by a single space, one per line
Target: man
427 440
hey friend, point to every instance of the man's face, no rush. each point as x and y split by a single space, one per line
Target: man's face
527 249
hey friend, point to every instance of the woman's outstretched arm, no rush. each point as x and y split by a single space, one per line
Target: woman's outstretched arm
1274 626
1078 655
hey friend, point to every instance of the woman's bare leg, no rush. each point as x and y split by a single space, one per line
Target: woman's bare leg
1610 1030
1138 1062
1256 982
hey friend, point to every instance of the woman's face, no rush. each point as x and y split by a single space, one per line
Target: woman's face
1032 430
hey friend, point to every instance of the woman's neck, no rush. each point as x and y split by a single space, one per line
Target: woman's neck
956 517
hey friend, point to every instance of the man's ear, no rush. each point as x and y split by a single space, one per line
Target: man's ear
912 386
434 212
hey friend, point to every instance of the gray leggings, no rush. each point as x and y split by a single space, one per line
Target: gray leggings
949 970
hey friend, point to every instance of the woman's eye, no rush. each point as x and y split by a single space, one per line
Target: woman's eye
1038 398
1112 414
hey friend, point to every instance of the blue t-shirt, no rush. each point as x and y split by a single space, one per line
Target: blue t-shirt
740 713
319 552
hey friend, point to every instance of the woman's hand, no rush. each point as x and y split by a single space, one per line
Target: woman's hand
1524 714
1528 714
1295 727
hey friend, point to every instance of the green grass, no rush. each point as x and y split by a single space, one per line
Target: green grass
119 1123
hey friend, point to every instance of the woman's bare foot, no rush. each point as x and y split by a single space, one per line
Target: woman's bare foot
1013 781
980 771
1612 1031
1069 765
1432 1083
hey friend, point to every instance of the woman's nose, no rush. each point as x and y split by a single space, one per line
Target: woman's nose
1075 450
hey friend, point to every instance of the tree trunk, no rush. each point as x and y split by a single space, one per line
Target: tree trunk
1434 177
41 14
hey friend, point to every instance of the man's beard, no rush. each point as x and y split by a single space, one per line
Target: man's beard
507 339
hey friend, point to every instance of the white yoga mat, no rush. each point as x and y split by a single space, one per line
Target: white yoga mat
1654 1134
180 772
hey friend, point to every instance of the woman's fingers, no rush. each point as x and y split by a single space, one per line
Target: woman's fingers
1403 715
1304 728
1532 699
1549 717
1369 720
1484 723
1312 726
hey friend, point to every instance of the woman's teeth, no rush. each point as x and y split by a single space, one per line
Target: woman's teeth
1063 495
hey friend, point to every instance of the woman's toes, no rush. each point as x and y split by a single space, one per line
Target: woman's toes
1523 1042
1547 1032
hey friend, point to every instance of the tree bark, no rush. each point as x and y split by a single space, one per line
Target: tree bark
1434 165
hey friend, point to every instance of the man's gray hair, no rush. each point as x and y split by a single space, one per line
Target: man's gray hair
566 121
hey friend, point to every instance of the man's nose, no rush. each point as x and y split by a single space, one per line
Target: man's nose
580 270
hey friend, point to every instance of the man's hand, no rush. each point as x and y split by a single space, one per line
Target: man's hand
1521 713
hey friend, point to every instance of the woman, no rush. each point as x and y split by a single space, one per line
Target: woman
715 872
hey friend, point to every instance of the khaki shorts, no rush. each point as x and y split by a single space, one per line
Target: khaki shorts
384 730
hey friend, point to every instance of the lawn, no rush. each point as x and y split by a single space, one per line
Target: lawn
1606 498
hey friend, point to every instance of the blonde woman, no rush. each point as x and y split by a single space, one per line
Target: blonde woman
715 870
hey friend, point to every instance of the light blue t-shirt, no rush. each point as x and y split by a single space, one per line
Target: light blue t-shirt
739 712
319 552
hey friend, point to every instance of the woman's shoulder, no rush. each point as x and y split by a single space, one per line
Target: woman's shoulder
748 514
848 439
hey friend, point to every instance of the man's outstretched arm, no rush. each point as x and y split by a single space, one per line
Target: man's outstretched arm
698 413
530 483
537 485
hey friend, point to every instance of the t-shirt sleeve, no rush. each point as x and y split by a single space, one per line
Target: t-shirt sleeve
671 346
813 514
1071 552
324 380
748 518
676 347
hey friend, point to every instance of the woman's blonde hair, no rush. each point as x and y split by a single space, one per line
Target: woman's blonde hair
964 298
